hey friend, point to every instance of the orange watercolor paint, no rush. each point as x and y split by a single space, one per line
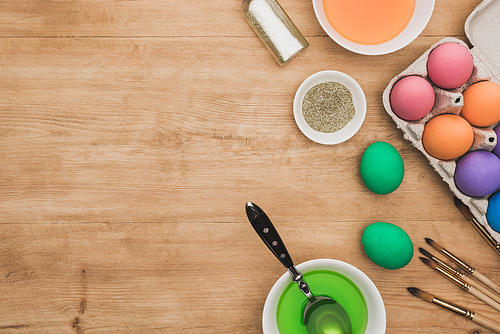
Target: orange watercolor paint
369 21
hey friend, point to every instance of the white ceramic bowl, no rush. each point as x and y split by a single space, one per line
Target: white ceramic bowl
376 310
358 99
421 16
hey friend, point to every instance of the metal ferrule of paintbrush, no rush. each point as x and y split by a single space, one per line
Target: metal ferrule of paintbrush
468 269
442 264
464 209
485 234
460 263
441 302
444 272
463 284
454 308
448 269
450 256
477 318
467 285
455 279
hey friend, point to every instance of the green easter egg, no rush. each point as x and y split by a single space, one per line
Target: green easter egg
382 168
387 245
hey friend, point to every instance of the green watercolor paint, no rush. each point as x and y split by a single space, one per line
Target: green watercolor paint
290 310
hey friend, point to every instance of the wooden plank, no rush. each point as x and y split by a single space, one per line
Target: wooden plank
210 278
111 130
133 132
177 18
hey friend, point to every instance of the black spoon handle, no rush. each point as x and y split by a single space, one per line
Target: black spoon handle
266 231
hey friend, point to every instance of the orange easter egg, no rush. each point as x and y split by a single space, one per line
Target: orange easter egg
447 136
482 103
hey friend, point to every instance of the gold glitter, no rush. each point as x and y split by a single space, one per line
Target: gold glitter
274 28
328 107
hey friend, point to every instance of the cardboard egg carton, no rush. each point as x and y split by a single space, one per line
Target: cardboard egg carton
482 29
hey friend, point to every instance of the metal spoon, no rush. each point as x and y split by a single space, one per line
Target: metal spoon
322 315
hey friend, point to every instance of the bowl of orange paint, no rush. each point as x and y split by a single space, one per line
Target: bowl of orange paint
373 27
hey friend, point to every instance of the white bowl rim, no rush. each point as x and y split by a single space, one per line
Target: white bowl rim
376 309
420 17
358 99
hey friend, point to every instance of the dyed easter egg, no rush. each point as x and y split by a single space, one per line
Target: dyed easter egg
493 213
478 173
412 98
496 150
482 103
382 168
387 245
450 65
447 136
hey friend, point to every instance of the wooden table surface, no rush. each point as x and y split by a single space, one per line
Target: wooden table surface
133 132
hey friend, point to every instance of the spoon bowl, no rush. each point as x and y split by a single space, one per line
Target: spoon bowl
326 316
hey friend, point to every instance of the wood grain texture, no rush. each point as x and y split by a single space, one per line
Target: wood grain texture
91 126
133 132
176 18
201 278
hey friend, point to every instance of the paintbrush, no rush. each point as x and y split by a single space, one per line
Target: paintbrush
464 209
460 275
462 284
441 263
471 315
468 269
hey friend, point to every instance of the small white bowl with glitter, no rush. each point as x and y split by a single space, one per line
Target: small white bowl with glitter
358 100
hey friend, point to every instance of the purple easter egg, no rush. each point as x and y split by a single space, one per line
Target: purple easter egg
496 150
478 173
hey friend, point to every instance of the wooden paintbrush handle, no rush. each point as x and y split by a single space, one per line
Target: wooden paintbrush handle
483 289
487 323
481 296
485 280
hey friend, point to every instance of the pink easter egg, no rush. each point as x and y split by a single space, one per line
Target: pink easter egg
412 98
450 65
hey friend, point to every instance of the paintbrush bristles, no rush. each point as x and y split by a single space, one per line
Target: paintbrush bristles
463 209
421 294
438 261
433 244
426 253
431 263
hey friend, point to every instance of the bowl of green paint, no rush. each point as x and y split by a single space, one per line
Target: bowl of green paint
284 306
